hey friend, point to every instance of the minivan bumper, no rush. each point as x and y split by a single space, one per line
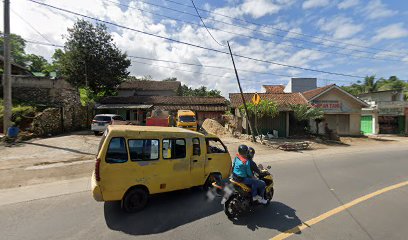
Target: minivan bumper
96 190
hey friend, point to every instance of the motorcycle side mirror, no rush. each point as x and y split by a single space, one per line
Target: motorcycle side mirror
268 167
260 166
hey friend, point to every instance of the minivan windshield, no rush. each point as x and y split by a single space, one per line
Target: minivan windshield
187 119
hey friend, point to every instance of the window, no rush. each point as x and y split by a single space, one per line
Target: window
196 147
174 148
117 152
119 118
215 145
102 118
187 119
143 149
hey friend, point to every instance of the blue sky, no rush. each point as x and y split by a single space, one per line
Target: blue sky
330 35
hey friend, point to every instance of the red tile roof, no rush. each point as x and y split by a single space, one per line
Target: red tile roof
274 88
313 93
173 102
145 85
284 100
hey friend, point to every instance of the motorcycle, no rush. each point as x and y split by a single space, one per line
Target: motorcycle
237 198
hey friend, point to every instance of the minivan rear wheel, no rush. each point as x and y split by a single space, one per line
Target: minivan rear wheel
96 133
135 200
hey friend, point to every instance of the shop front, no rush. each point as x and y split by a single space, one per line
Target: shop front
342 111
392 118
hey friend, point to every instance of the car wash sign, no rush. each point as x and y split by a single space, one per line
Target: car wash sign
327 105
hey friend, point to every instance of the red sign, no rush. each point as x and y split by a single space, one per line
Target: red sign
327 104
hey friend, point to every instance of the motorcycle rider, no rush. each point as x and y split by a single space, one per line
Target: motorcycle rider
242 173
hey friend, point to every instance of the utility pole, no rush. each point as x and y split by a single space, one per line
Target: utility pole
242 96
7 69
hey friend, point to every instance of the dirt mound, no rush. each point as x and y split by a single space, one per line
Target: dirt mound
214 127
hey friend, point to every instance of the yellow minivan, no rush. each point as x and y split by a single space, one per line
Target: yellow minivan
134 162
186 119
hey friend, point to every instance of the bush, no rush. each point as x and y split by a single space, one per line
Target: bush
20 112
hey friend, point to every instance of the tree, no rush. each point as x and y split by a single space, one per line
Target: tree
170 79
91 58
305 112
265 108
202 91
17 44
36 63
370 85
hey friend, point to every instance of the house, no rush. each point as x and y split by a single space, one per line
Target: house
283 123
16 69
148 88
342 111
137 99
387 113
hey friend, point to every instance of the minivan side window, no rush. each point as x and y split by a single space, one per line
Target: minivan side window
214 145
174 148
196 147
143 149
117 152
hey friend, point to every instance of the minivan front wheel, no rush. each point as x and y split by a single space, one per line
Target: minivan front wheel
135 200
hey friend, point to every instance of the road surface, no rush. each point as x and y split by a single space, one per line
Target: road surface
307 186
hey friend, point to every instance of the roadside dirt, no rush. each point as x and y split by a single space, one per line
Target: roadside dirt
72 156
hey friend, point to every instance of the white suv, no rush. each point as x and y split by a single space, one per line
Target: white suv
101 121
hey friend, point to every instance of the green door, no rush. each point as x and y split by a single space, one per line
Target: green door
367 124
401 124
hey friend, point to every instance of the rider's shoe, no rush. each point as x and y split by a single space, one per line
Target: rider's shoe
256 198
263 201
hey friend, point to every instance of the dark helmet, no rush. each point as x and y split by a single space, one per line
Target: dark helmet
251 152
243 150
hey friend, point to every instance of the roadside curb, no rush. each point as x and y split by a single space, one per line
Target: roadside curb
44 190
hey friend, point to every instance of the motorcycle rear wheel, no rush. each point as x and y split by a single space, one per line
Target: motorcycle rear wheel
231 208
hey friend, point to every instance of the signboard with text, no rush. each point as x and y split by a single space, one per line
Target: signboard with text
327 105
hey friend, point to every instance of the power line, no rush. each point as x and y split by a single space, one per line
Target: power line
252 37
31 26
195 45
205 25
284 30
264 32
227 68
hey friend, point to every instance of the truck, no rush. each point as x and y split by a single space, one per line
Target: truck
186 119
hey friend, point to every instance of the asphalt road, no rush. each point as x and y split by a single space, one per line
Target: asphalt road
306 187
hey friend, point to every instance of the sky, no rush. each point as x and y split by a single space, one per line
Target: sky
352 37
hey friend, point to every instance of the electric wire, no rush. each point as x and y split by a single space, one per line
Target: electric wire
194 45
284 30
264 32
254 37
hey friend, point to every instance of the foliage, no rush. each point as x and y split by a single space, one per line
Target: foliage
19 111
305 112
170 79
370 85
202 91
36 63
265 108
86 96
144 78
17 44
91 58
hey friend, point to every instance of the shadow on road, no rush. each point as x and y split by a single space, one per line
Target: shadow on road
275 216
164 212
59 148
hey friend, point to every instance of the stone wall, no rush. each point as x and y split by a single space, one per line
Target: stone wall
57 96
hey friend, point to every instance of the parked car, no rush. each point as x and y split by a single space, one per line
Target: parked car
101 121
134 162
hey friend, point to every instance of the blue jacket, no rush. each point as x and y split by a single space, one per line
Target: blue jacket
242 168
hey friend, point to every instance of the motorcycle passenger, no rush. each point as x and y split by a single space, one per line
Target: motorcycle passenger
254 167
242 173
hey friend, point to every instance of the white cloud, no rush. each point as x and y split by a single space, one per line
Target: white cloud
308 4
347 4
340 27
393 31
376 9
255 8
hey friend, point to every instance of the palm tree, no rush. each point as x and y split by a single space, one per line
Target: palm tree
370 85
